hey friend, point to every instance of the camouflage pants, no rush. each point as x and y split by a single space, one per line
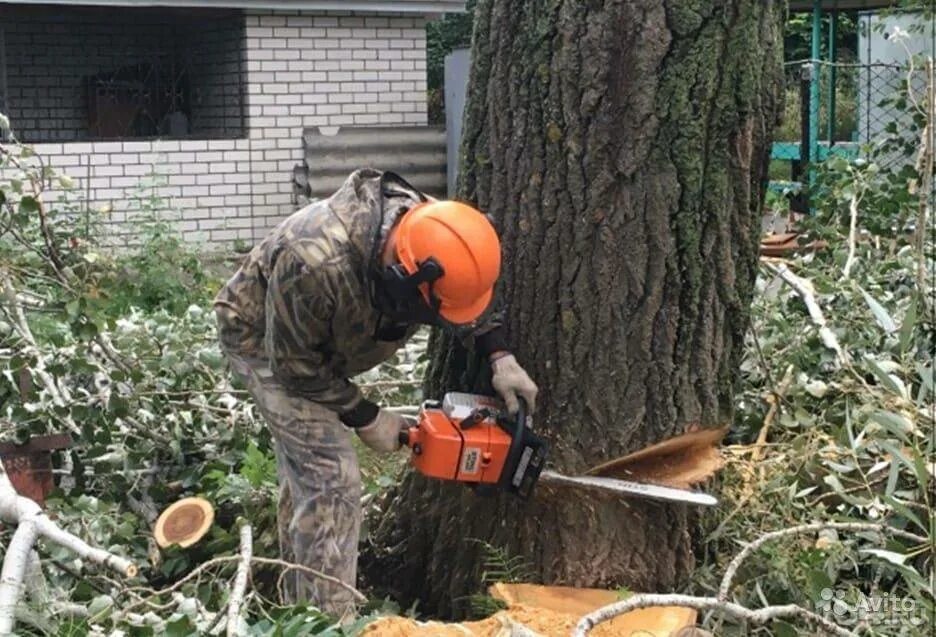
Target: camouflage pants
319 514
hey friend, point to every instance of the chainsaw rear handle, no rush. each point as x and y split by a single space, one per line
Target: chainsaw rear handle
516 437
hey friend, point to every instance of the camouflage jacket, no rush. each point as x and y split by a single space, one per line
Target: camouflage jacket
301 301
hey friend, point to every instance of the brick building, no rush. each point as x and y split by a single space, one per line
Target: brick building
215 95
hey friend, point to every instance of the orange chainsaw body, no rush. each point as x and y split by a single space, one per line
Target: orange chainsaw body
461 439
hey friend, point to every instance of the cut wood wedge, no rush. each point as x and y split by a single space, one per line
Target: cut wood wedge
544 611
647 622
678 462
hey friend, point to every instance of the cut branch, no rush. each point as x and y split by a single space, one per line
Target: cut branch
852 235
733 566
776 398
736 611
226 559
805 291
32 523
14 573
60 395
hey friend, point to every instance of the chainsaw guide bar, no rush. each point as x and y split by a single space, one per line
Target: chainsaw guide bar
626 488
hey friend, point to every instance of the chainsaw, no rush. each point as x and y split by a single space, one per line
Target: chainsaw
469 438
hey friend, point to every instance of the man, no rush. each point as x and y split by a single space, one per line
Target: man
333 291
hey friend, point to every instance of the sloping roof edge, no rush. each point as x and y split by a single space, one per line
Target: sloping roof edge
843 5
379 6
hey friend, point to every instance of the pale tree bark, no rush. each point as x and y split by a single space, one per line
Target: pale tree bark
622 149
31 524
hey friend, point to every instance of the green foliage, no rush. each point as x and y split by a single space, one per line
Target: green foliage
162 272
853 439
498 566
118 347
797 37
442 37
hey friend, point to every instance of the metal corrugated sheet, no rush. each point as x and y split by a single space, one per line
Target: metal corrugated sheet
416 153
396 6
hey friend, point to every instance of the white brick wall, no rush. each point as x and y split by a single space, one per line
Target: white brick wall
303 70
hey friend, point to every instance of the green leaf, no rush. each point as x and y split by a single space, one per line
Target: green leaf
893 476
888 381
897 559
181 627
880 314
926 383
28 204
72 308
836 484
783 629
906 327
894 423
915 462
904 510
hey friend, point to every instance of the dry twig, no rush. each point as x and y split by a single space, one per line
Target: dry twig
775 399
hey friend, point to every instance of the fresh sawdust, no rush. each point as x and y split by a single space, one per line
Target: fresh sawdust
543 623
543 611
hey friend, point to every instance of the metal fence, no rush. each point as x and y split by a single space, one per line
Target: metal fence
839 109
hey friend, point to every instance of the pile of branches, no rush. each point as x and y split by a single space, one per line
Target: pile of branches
835 419
143 391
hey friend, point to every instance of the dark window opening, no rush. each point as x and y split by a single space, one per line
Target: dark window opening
94 73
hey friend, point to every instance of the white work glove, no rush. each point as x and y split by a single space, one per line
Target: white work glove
383 434
510 380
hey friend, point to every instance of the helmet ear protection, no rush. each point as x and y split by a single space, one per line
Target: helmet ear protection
403 288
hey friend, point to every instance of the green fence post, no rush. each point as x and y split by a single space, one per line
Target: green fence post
833 21
814 85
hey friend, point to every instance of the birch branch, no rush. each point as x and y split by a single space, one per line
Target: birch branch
13 573
240 581
735 564
60 395
805 291
225 559
736 611
32 523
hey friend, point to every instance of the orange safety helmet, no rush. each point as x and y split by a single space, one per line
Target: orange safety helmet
460 240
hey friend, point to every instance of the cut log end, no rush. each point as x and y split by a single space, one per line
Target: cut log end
184 523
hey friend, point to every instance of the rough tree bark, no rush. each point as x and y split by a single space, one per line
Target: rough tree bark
622 149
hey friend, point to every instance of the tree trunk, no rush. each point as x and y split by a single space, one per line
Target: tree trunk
622 149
